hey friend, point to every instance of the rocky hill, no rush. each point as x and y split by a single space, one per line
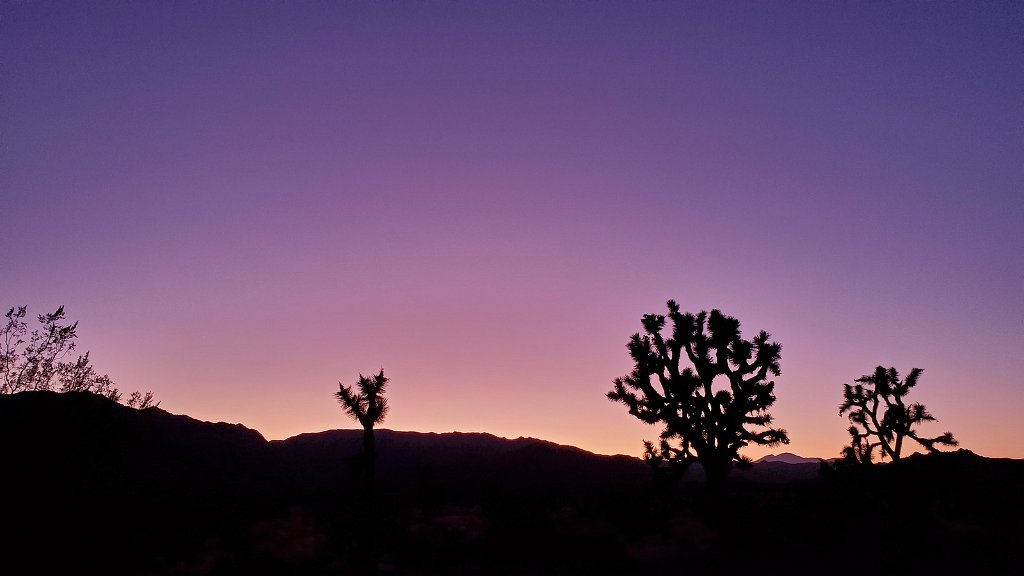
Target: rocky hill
92 486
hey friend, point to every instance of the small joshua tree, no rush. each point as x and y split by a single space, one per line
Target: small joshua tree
368 406
710 410
880 418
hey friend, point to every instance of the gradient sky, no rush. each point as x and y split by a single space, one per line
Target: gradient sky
245 202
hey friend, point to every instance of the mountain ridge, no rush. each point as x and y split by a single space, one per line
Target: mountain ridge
787 458
182 496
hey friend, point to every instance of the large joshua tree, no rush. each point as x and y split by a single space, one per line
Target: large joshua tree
881 419
368 406
710 409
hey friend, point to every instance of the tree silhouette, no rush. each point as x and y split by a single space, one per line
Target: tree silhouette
35 360
705 421
881 420
368 406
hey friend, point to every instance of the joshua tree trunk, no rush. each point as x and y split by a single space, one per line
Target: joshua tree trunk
716 470
369 452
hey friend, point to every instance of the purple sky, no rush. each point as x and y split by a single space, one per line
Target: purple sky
244 203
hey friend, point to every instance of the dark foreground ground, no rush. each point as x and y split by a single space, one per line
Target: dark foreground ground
88 486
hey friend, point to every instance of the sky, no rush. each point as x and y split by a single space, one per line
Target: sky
244 203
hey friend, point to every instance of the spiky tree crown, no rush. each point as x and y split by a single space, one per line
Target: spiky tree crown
368 405
880 418
703 423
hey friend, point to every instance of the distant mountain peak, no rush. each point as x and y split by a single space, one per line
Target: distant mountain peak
786 458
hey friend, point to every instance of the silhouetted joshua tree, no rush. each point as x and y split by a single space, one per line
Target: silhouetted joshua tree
368 406
881 419
710 410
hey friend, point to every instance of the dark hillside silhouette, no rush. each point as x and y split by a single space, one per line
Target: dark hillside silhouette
91 486
117 485
468 462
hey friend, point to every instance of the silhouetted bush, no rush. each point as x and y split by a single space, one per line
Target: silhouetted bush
34 361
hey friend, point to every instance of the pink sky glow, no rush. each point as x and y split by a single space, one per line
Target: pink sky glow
244 203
